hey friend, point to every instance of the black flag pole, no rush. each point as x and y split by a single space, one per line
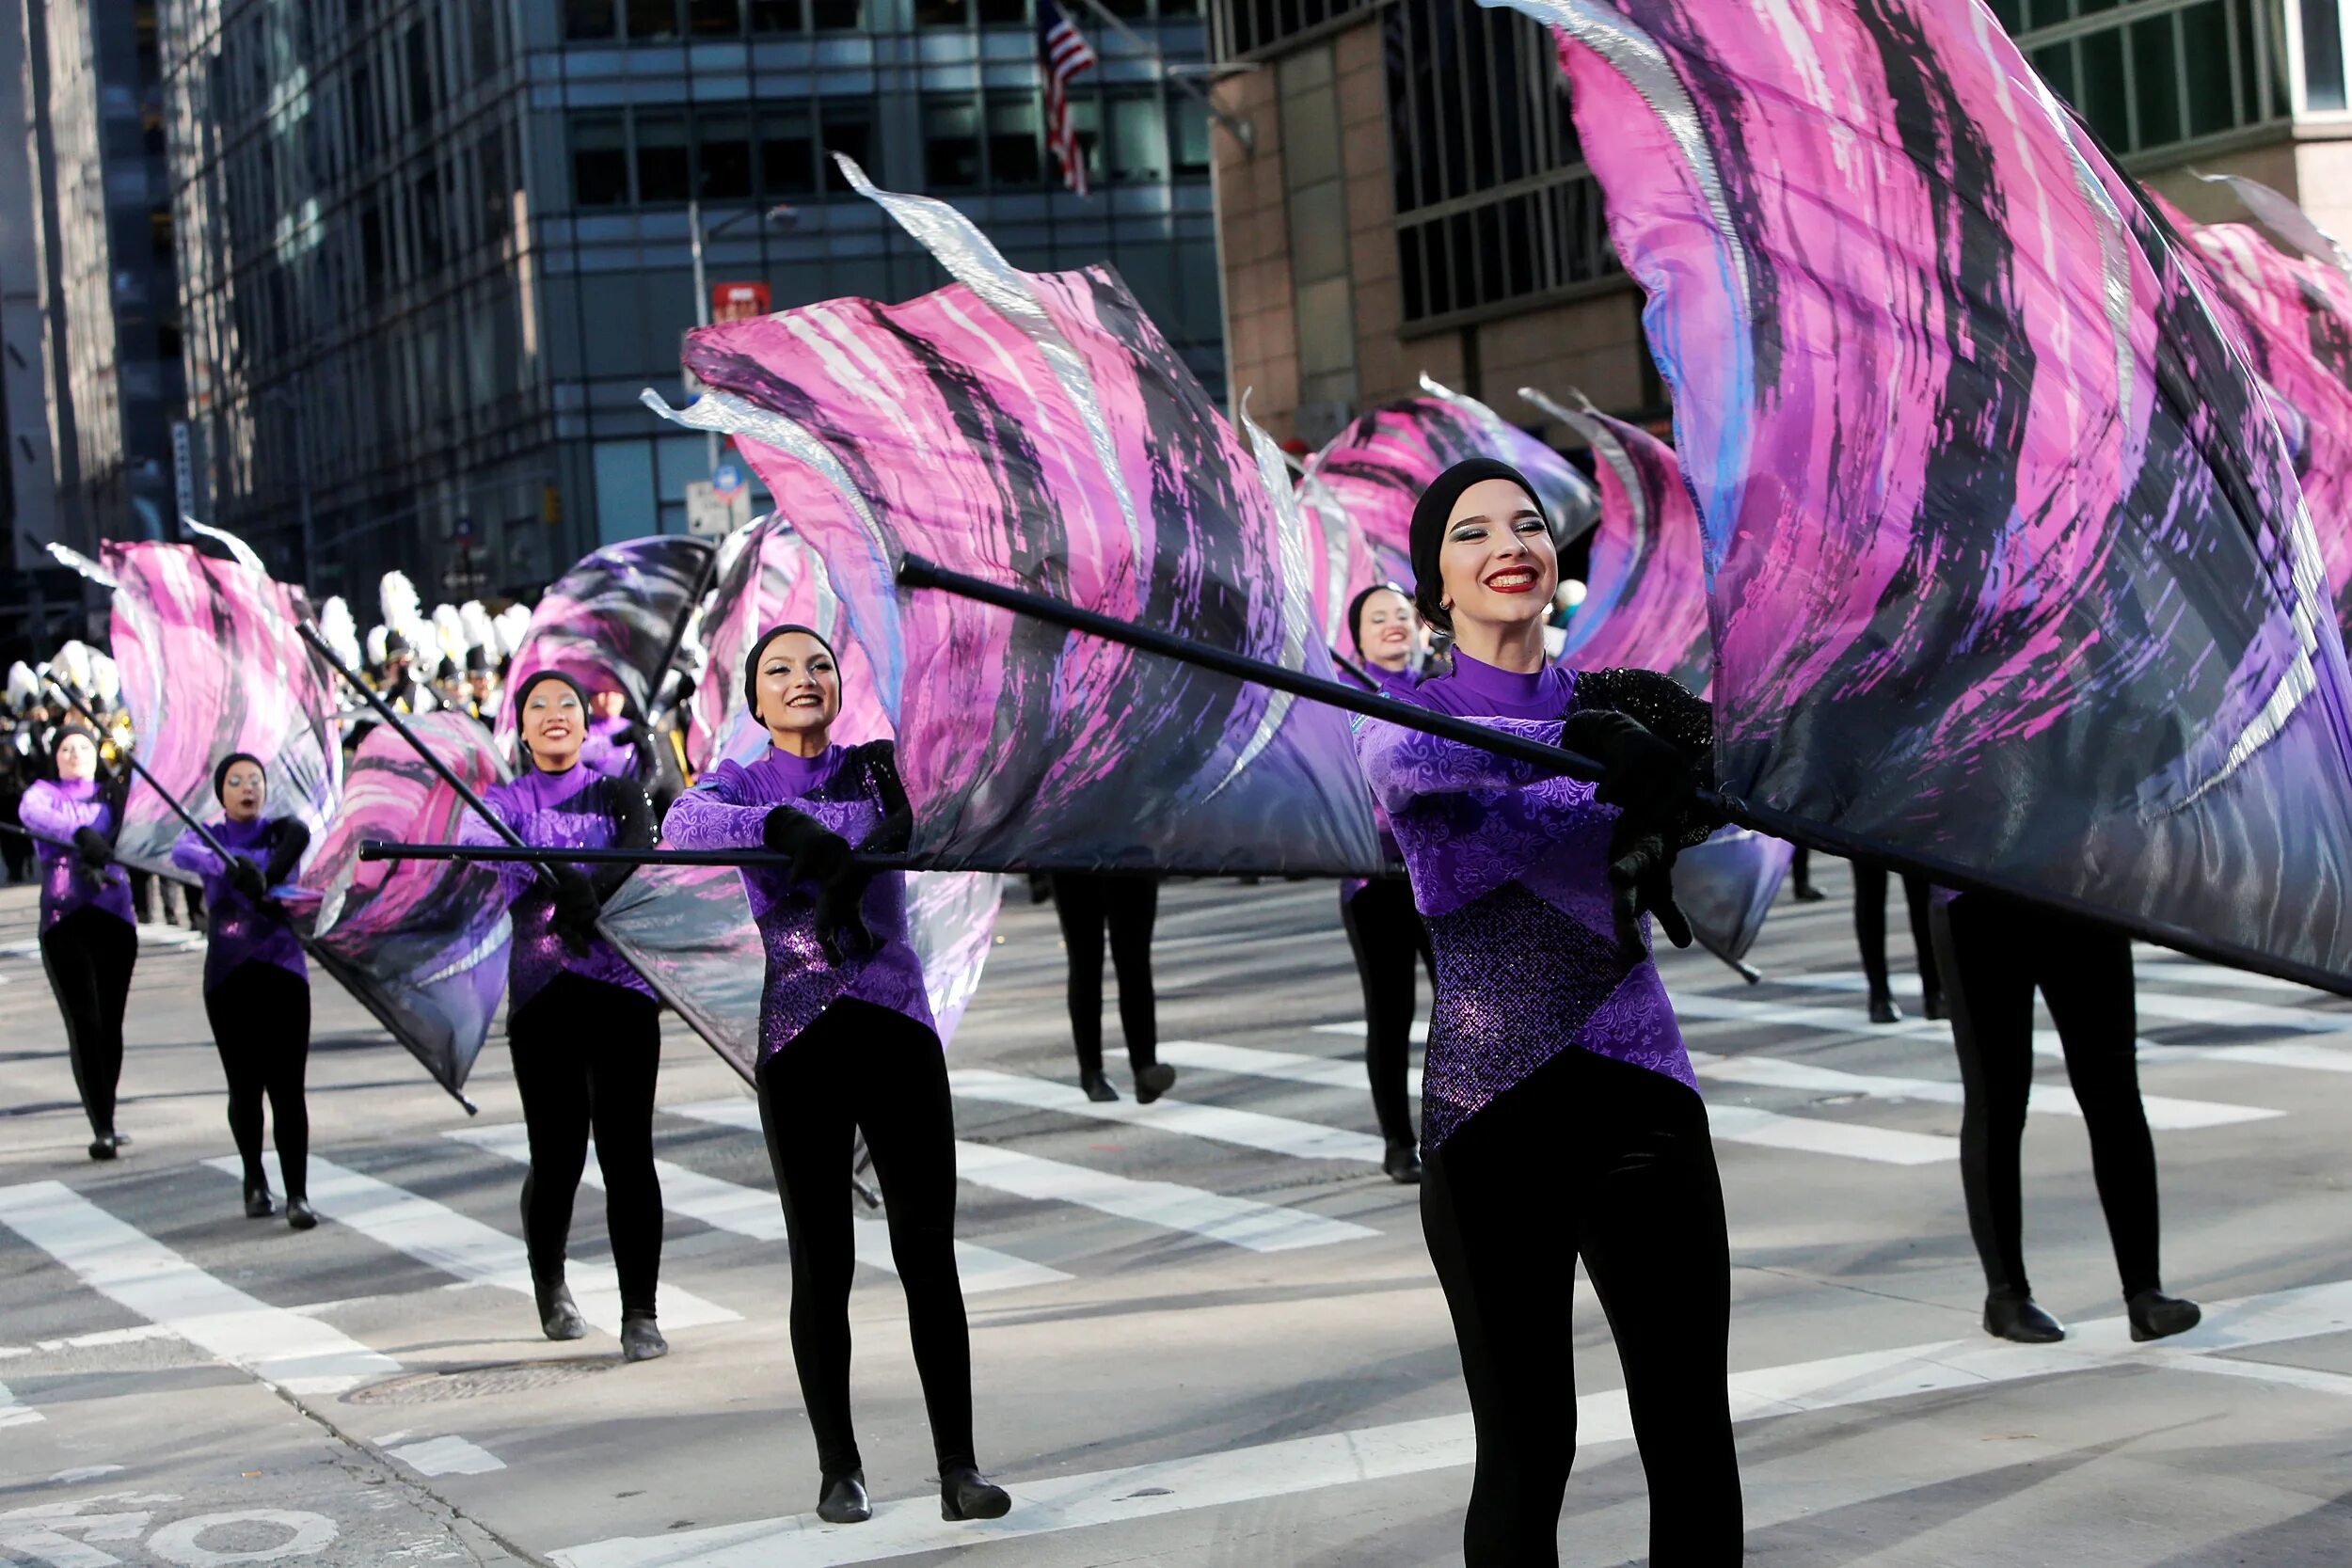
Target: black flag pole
320 956
914 572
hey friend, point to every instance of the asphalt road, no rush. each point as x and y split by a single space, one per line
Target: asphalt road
1205 1332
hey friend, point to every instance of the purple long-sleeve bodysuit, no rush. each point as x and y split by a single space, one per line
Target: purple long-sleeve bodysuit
238 931
51 811
728 810
1509 867
1397 684
575 809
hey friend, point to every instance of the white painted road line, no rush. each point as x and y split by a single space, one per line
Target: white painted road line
1737 1124
1300 1464
1240 1221
1708 1006
1327 1072
142 1275
1301 1140
2165 1113
756 1215
440 1237
12 1413
2234 1012
447 1456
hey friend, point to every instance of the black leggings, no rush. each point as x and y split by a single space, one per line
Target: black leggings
1386 933
260 1018
1869 926
89 955
1995 953
587 1055
1594 1158
861 1066
1127 905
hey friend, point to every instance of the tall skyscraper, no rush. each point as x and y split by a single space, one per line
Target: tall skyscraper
433 250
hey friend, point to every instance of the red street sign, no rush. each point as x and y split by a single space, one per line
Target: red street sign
735 302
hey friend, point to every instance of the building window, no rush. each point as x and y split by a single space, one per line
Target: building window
1189 135
1139 139
942 13
848 128
951 147
725 167
1016 143
2166 73
590 19
599 161
1012 12
713 19
652 19
663 166
787 154
2323 55
775 16
837 16
1242 27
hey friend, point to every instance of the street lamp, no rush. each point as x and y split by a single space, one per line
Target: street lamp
781 214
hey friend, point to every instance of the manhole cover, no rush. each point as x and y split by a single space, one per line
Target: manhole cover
465 1382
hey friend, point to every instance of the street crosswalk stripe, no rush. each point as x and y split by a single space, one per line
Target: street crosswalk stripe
1057 1503
143 1275
13 1413
2234 1011
447 1456
2165 1113
438 1236
1236 1221
1301 1140
1740 1124
749 1212
2156 964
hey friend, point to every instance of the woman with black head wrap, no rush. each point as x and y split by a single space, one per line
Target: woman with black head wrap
257 988
1384 930
846 1042
1554 1065
581 1024
88 941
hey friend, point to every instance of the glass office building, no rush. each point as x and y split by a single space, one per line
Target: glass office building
1416 202
433 250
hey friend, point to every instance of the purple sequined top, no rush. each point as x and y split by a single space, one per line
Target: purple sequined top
849 792
1398 684
575 809
1509 867
51 812
236 929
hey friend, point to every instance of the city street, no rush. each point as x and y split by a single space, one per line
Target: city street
1205 1332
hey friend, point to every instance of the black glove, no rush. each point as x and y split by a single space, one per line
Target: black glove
576 908
634 826
1651 784
819 853
247 878
841 928
289 838
92 847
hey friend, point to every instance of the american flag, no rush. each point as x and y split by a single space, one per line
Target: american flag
1061 54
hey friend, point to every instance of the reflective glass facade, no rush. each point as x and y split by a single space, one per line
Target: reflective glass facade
435 249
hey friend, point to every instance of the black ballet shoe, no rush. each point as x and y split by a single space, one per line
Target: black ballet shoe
559 1314
1098 1087
2157 1316
259 1205
640 1339
966 1494
1806 893
1932 1006
1403 1164
103 1145
299 1214
844 1502
2014 1315
1153 1081
1883 1010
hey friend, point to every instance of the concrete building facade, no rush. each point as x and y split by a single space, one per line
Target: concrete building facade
435 249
